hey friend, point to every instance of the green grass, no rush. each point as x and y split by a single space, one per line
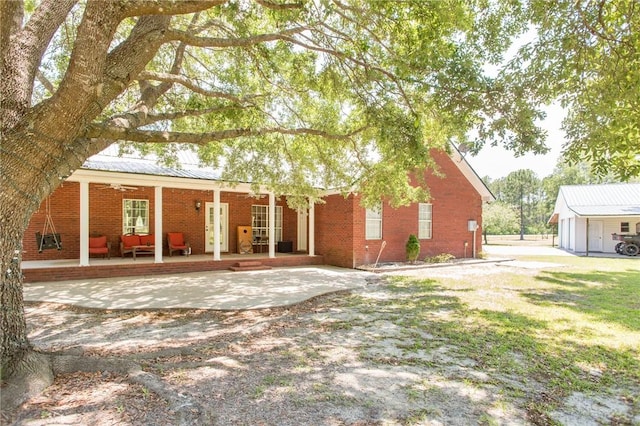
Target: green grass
574 328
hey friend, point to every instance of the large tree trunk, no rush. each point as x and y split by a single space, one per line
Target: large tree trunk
13 328
41 145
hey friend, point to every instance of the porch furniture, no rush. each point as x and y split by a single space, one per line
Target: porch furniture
100 245
128 242
285 246
260 242
175 241
146 249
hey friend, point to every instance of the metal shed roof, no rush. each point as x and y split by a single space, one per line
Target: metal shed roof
617 199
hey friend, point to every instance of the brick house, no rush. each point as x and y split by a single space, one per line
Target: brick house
112 196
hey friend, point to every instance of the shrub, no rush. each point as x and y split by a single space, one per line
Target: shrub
412 248
441 258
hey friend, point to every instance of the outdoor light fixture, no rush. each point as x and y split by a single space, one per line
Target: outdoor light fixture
198 205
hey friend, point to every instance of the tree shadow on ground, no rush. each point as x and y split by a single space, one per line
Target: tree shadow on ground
608 296
407 351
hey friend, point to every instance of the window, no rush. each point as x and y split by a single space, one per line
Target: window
260 223
624 226
373 230
135 216
425 214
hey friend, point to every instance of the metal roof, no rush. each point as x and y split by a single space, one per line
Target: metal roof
616 199
148 168
110 160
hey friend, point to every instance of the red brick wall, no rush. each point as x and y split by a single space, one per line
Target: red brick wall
179 215
334 226
65 214
340 224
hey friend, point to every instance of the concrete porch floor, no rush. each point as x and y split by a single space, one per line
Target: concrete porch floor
218 290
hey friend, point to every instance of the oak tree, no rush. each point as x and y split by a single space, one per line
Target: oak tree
587 55
291 95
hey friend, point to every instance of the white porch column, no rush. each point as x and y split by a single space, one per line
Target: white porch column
216 224
272 225
84 223
312 227
158 225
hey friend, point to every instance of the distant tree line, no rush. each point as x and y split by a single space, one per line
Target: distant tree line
524 203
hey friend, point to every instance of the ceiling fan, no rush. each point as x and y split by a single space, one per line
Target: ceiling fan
118 187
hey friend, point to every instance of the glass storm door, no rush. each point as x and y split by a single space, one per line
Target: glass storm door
224 227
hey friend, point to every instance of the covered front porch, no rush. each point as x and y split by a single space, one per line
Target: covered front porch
70 269
116 199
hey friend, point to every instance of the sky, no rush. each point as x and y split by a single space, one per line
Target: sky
496 162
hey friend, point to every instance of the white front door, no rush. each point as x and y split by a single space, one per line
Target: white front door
224 227
302 229
595 235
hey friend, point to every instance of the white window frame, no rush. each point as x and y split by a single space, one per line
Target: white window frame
425 221
373 223
625 226
260 223
133 223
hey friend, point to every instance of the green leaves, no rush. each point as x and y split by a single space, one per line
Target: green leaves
375 85
588 55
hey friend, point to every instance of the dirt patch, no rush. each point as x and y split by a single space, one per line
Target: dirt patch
340 359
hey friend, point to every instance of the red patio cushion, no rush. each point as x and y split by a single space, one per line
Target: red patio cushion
98 242
176 239
144 239
98 250
130 240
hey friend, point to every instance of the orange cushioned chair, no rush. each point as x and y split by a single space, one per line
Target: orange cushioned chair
176 242
100 245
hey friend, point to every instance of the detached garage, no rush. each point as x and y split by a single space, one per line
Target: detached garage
588 215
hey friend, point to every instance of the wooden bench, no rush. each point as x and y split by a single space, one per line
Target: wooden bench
133 243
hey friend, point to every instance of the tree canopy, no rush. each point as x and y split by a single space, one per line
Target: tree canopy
291 95
587 55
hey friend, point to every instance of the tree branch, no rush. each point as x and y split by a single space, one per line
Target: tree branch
113 133
123 63
190 39
84 80
168 116
150 94
186 82
279 6
168 7
592 29
22 50
11 16
45 82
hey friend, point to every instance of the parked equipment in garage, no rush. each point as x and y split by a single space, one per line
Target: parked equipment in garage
629 244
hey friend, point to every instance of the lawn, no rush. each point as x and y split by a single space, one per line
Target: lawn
570 333
547 340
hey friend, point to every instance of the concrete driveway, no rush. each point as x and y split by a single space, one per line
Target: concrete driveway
220 290
515 250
